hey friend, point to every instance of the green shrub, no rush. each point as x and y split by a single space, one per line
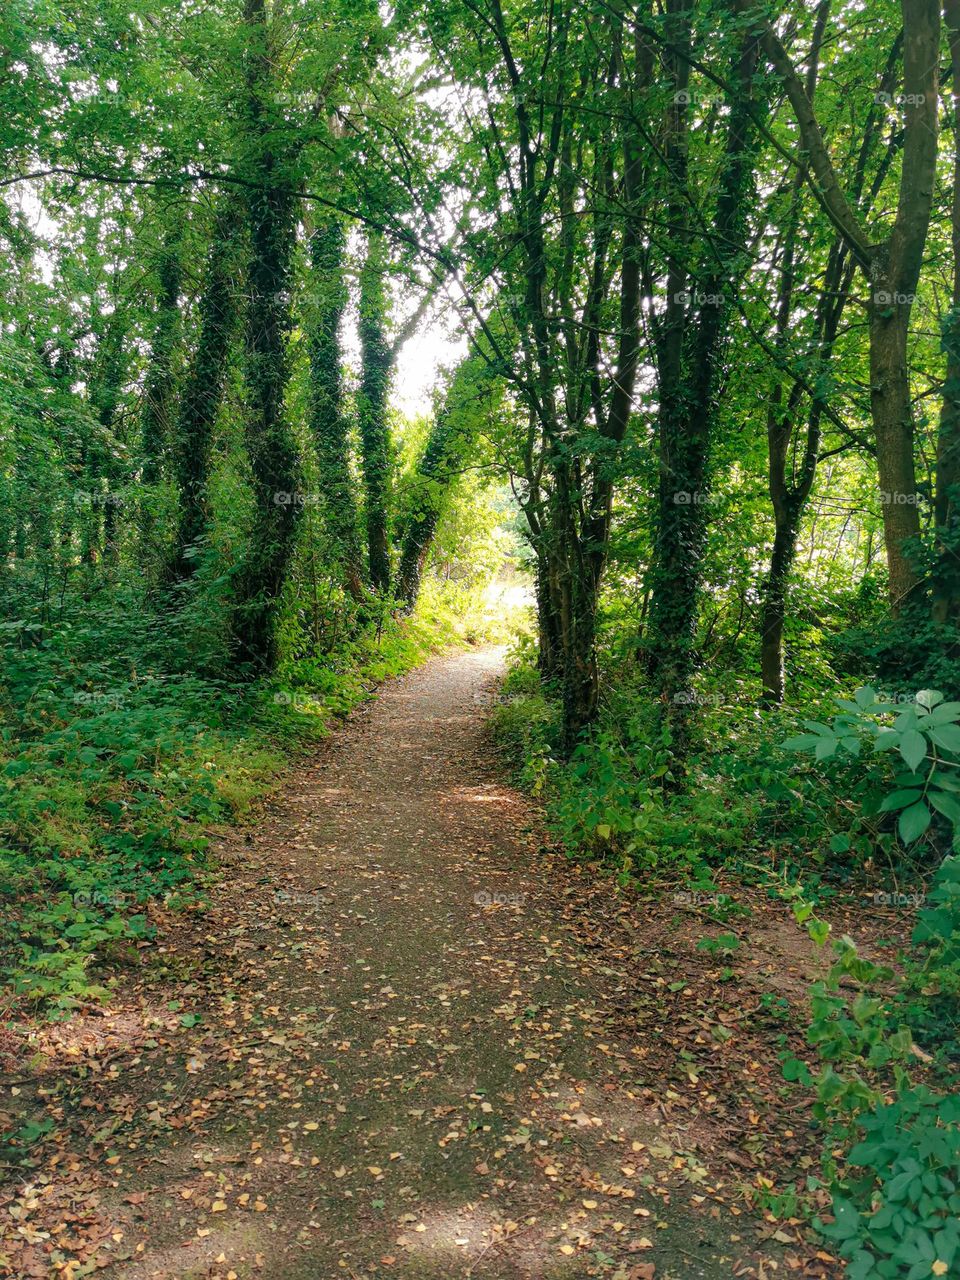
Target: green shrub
896 1194
915 768
899 1214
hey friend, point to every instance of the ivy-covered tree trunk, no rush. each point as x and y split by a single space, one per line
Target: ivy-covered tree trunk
690 351
892 410
442 457
159 383
328 420
549 626
271 449
203 389
581 677
100 498
774 612
377 360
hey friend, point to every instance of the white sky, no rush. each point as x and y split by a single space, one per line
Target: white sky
439 343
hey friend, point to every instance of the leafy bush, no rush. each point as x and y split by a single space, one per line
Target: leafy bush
924 734
896 1195
907 653
930 996
900 1216
609 800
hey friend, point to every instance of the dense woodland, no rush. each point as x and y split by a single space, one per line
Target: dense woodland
697 268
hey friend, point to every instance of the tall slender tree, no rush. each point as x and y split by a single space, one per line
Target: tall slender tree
219 311
376 363
274 462
328 416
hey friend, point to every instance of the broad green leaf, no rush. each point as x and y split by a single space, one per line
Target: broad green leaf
929 698
946 713
825 748
913 748
822 729
802 742
900 799
946 736
948 805
914 822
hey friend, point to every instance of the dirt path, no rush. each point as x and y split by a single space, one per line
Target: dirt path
387 1054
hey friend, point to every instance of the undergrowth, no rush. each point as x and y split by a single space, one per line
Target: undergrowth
116 762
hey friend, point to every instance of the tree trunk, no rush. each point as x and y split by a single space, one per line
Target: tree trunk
775 602
581 674
892 268
101 504
893 426
946 572
442 456
203 390
550 640
377 359
158 386
270 445
327 417
690 359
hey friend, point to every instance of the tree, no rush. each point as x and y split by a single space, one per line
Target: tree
891 266
328 415
202 395
376 363
690 342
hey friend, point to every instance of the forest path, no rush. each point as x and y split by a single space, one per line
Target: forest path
396 1058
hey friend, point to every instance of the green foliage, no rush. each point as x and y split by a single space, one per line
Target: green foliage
909 653
930 993
896 1193
724 944
900 1216
614 797
113 764
924 735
